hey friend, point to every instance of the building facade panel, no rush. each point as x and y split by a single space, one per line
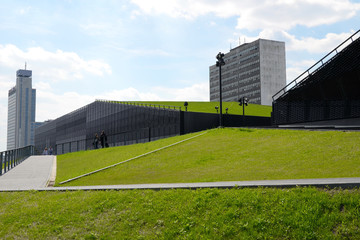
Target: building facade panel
254 70
123 123
11 119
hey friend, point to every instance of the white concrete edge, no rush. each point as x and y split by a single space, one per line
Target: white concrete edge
52 174
286 183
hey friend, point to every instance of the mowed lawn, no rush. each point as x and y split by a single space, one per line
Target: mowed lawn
228 154
297 213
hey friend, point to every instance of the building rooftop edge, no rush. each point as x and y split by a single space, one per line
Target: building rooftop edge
257 40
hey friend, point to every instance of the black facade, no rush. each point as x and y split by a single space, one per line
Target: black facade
123 123
128 123
330 90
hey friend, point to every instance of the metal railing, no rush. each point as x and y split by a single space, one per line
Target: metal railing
11 158
143 104
328 57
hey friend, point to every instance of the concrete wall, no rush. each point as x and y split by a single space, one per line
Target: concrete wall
272 69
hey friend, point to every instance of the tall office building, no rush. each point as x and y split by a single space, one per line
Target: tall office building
255 70
21 111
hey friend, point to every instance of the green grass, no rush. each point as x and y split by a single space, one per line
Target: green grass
209 107
222 155
299 213
73 164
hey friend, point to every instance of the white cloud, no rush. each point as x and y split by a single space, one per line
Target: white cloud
129 94
196 92
142 52
23 10
310 44
3 126
50 105
287 14
53 66
108 29
5 85
255 14
294 43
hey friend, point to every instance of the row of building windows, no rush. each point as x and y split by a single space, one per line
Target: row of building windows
232 64
242 68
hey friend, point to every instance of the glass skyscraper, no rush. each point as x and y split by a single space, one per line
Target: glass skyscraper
21 111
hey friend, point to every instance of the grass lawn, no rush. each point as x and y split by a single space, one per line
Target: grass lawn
209 107
222 155
299 213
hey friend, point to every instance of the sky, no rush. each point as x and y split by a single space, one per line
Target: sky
137 50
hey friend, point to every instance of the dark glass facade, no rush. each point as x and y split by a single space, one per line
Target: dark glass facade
327 91
123 123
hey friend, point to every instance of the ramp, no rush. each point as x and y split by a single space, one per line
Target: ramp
33 173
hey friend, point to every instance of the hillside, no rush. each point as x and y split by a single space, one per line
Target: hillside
221 155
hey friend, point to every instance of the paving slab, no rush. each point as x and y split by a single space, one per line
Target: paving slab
33 173
326 182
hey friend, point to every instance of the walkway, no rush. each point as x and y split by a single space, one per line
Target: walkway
33 173
36 172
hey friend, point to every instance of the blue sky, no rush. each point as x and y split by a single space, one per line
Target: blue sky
82 50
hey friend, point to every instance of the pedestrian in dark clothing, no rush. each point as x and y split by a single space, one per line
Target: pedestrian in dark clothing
50 152
96 141
103 140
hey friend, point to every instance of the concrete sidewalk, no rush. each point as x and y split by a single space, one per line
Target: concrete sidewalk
325 182
35 172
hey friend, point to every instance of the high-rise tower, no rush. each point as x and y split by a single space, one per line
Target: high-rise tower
21 111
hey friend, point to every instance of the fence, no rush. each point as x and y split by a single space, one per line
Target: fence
11 158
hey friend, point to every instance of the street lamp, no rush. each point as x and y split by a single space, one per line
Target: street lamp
220 62
186 104
242 102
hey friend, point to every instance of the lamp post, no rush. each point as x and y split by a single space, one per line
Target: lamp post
242 102
220 62
186 104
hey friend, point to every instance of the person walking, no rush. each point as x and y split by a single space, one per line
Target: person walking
103 139
96 141
45 152
50 152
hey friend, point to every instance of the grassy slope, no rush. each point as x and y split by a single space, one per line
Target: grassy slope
78 163
233 107
225 155
300 213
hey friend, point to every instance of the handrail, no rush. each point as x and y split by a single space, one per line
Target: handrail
297 81
11 158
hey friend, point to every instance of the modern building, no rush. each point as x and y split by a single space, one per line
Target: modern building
255 70
326 94
21 111
128 123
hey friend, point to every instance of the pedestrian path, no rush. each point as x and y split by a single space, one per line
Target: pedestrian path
35 172
38 172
